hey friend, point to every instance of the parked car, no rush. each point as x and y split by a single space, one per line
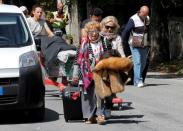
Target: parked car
21 82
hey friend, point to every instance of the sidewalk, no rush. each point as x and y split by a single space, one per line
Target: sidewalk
163 75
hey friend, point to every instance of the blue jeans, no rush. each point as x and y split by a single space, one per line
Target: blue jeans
139 57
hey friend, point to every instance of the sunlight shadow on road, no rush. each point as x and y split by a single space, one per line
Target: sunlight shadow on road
126 116
51 115
126 119
19 117
150 85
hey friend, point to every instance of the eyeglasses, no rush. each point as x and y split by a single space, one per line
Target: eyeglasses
93 31
111 27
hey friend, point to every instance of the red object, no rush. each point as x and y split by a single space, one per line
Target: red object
75 95
117 100
61 87
48 81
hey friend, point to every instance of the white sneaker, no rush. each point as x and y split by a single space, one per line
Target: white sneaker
140 84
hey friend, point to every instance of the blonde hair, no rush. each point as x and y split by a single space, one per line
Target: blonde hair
110 19
90 26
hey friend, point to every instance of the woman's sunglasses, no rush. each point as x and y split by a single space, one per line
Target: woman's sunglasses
111 27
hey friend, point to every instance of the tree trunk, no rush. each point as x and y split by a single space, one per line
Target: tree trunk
159 33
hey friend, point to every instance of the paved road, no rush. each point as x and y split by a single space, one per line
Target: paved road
156 107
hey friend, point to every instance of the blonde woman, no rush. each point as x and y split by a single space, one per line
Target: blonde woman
109 30
91 49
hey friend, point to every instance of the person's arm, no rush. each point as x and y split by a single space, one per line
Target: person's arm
48 30
120 46
128 28
29 21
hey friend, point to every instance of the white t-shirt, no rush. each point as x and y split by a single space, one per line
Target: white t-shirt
37 27
97 48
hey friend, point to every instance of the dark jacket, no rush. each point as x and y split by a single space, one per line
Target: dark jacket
50 47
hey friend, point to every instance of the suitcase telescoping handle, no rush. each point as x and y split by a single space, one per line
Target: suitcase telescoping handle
73 91
71 84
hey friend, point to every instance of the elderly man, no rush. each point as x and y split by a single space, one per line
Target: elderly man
135 33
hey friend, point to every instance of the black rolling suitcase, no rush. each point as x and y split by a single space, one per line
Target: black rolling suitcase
72 103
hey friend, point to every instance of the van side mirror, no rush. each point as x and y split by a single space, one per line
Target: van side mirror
38 43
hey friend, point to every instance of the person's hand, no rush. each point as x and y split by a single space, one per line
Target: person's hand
51 35
130 57
52 20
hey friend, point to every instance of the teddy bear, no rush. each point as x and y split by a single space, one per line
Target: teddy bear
110 75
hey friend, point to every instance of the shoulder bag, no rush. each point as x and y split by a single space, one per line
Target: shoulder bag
138 41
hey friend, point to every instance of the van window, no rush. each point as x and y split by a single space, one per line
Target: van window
13 31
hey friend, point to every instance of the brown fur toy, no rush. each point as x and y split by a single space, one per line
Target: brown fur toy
114 63
109 75
102 87
116 83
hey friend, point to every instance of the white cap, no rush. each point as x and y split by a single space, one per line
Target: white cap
23 8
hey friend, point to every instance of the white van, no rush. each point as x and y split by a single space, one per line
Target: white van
21 83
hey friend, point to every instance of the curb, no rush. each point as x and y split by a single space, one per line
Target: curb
163 75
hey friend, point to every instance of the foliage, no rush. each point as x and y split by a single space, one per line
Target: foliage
48 4
171 3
